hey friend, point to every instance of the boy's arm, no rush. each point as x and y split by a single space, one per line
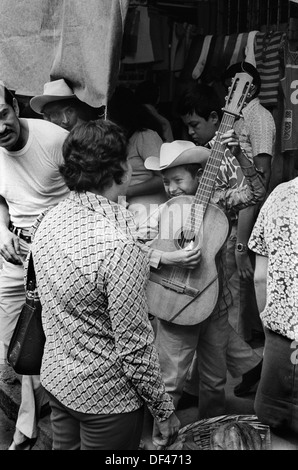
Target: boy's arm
253 192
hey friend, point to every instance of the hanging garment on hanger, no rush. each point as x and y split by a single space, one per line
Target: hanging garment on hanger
160 47
267 47
180 45
207 73
289 84
239 51
193 56
130 35
230 44
250 48
212 70
160 34
144 53
200 65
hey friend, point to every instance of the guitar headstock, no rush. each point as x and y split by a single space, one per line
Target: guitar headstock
238 92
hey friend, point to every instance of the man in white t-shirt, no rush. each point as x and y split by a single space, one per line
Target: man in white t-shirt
30 181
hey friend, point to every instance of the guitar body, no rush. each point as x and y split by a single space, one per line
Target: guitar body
188 296
180 295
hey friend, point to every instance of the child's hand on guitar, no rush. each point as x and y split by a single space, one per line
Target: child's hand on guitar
184 258
231 140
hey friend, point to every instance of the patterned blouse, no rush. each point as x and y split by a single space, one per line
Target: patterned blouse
99 354
275 235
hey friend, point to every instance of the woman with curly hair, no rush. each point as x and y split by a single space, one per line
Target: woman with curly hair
100 365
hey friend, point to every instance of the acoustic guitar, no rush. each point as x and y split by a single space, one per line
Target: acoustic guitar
188 296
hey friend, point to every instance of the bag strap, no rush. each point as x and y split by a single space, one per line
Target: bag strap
31 280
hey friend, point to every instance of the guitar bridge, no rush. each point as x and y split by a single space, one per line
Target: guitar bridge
179 288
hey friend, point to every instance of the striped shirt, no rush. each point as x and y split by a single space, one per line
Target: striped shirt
99 355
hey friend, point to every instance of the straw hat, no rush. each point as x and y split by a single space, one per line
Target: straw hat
56 90
178 152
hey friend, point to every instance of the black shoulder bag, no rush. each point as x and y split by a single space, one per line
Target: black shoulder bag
26 346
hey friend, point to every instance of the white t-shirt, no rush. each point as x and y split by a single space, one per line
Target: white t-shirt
30 180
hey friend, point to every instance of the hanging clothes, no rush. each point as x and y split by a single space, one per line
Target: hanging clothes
239 51
160 41
250 48
78 40
289 84
182 36
267 47
200 65
192 56
130 36
144 52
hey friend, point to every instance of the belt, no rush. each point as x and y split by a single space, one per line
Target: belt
21 232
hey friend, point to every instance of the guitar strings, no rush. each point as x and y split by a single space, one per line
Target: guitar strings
209 175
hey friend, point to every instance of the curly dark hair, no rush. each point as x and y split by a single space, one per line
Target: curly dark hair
94 154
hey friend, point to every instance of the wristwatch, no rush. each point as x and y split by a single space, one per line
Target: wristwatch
241 247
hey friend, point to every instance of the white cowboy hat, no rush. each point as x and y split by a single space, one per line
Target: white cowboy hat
56 90
178 152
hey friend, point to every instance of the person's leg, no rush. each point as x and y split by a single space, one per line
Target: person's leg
65 427
212 366
249 325
12 298
32 398
276 401
241 357
73 430
120 431
191 387
176 345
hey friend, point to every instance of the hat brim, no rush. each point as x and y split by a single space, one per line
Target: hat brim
37 103
197 155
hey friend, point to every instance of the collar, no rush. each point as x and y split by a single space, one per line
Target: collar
97 203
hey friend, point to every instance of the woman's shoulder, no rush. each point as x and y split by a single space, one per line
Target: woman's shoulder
145 134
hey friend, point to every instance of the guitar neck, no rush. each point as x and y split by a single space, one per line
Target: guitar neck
207 181
206 185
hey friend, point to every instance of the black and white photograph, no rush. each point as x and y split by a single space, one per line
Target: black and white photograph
149 228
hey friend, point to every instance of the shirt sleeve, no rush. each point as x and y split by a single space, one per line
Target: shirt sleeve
148 144
147 231
240 197
262 133
127 271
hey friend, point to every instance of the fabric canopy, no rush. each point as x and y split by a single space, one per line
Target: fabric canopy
78 40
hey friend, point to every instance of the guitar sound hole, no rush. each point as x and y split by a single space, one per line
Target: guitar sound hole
185 238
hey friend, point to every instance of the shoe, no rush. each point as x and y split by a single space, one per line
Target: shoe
26 445
249 381
187 401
